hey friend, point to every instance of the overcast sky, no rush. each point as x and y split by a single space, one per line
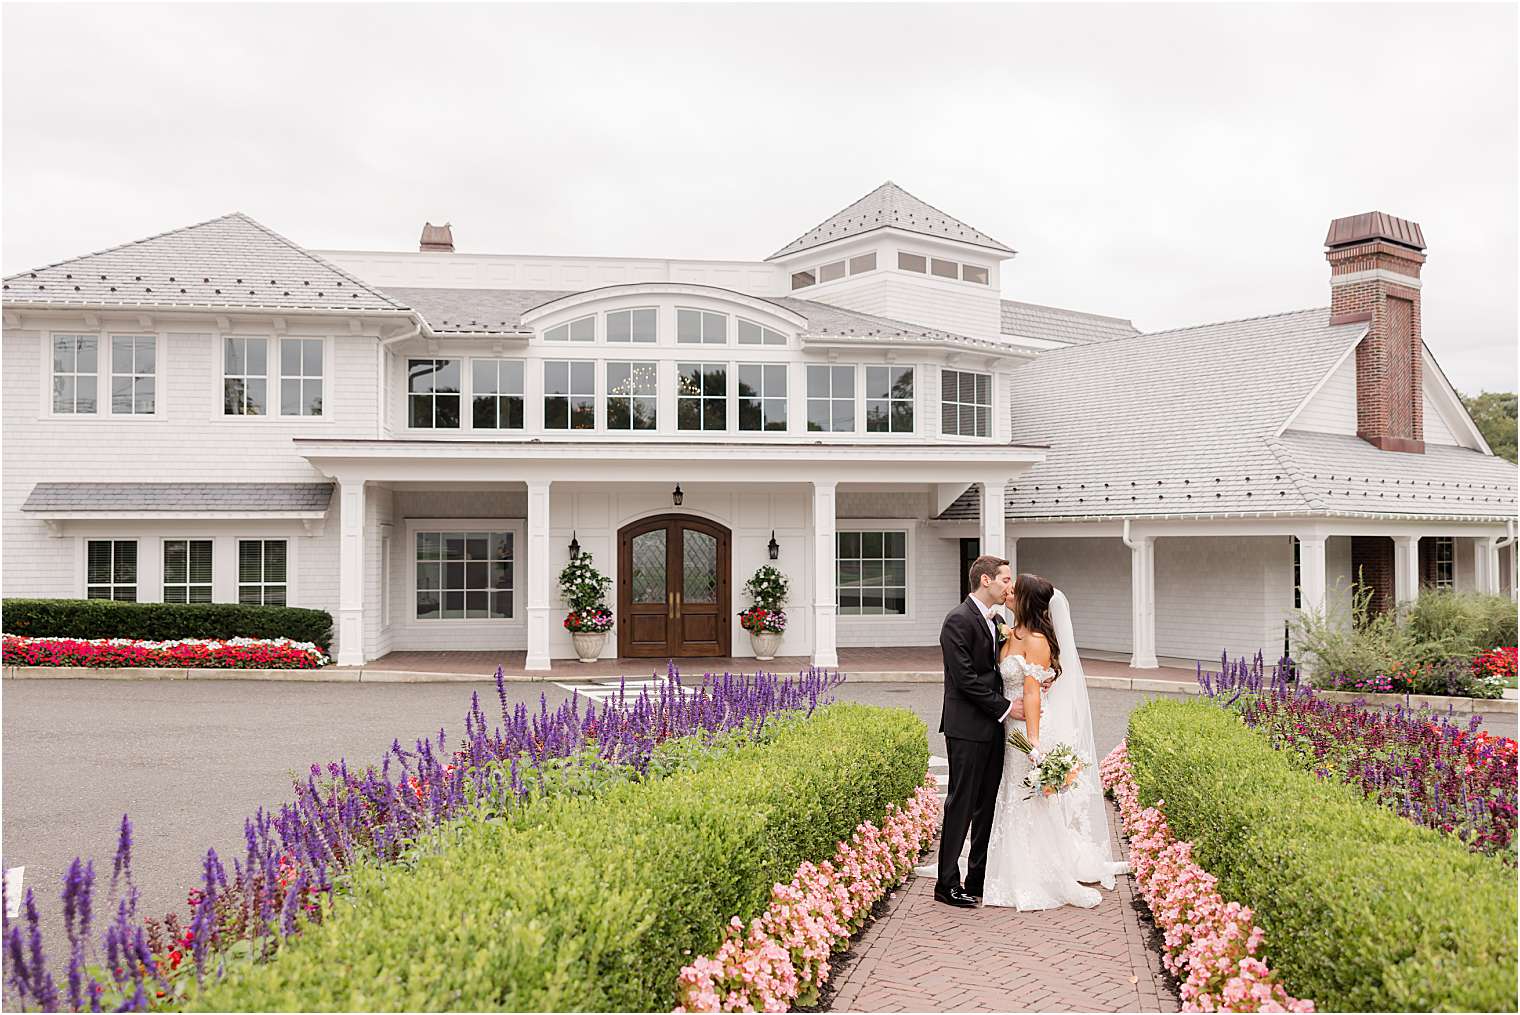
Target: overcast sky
1170 164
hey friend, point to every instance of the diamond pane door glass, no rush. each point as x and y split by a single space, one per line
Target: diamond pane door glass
649 567
700 565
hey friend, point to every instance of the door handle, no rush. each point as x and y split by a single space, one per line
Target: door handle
670 606
678 604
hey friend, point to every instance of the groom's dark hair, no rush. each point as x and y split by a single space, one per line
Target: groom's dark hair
985 566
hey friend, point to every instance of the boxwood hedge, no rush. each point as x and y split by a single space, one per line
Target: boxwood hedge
106 618
1363 910
593 903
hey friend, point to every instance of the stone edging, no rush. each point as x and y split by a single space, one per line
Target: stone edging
333 674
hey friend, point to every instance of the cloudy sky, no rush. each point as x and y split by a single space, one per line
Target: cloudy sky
1170 164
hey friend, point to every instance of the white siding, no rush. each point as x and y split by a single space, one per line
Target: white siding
1437 430
934 585
1212 593
1333 407
189 441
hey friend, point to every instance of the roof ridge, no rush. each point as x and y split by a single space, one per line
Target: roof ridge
1295 475
130 243
947 215
1066 310
1234 320
829 218
293 245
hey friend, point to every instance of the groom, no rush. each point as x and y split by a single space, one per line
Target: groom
972 722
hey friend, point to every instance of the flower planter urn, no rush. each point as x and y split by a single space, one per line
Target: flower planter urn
765 644
588 644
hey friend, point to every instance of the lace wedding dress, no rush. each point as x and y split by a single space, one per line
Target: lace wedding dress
1043 848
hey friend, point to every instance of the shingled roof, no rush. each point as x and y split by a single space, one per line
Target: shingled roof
1053 324
109 499
890 205
1184 423
229 262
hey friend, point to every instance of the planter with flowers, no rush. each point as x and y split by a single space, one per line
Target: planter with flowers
584 589
765 621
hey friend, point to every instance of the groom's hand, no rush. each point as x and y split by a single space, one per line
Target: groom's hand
1018 709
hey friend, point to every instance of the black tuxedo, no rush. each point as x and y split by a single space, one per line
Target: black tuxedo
974 738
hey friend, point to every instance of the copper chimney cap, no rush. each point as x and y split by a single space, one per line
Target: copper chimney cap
1374 225
437 238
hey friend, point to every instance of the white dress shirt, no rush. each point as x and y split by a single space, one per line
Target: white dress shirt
986 612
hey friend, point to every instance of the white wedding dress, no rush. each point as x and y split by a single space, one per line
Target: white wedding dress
1043 848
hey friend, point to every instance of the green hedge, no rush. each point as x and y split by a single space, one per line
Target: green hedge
105 618
594 904
1363 910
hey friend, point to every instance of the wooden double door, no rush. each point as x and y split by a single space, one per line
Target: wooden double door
673 587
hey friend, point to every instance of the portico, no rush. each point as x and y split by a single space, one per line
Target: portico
591 491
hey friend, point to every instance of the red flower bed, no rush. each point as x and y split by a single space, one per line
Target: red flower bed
107 653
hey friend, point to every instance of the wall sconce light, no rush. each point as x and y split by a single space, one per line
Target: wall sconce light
676 496
575 547
773 548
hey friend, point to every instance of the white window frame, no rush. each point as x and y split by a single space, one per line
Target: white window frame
569 398
703 321
210 584
961 406
857 265
110 372
466 406
569 329
842 266
866 399
608 396
909 527
903 254
1449 544
271 391
302 378
49 407
263 583
831 398
767 336
986 278
762 396
135 584
630 340
704 367
805 278
516 526
521 394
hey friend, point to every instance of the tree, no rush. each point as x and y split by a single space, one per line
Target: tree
1494 412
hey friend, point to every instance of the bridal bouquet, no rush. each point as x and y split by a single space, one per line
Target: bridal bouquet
1057 769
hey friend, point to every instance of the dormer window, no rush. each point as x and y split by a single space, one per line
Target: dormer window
831 272
582 330
912 262
803 279
944 269
973 273
865 262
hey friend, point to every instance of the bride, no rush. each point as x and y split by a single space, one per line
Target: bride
1043 848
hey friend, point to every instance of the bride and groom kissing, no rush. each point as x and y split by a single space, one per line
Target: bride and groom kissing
1029 849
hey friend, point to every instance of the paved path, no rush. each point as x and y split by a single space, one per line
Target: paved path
924 956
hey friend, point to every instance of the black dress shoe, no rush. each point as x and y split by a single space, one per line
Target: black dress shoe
955 897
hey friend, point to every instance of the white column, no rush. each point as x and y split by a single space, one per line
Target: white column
1311 573
350 572
825 646
994 515
1142 572
1406 568
1487 557
1011 551
538 574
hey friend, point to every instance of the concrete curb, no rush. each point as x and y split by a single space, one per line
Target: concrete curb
335 674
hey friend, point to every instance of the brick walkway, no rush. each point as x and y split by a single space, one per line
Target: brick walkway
924 956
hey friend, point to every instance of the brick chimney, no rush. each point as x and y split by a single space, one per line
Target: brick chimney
1375 278
437 238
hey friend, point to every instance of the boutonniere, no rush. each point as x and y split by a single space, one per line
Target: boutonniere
1004 632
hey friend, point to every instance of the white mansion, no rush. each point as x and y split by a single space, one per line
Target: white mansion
414 440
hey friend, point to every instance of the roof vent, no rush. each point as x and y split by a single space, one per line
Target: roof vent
437 238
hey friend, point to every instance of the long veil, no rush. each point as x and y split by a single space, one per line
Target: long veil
1068 720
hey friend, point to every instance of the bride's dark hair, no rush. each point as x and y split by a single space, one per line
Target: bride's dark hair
1031 611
